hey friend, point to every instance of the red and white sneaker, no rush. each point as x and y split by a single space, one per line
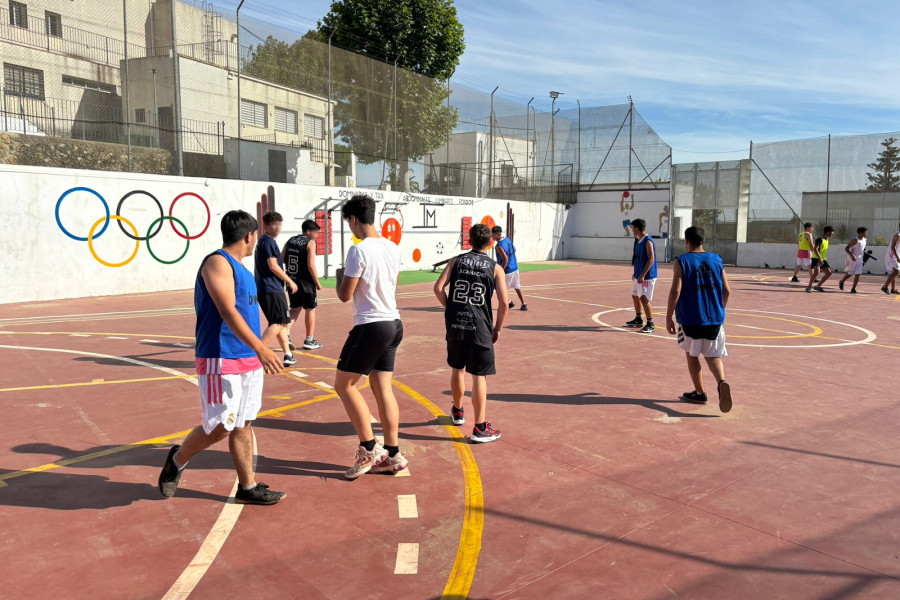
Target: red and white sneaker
482 437
365 460
391 464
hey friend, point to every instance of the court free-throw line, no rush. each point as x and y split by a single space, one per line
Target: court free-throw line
407 559
407 507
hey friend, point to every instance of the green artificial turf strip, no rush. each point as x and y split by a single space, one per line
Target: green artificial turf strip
427 276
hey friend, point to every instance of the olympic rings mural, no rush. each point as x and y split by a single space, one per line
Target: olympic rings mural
155 227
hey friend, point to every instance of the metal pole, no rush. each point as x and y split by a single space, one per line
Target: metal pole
534 142
330 167
528 134
240 124
447 153
630 135
578 176
491 147
396 158
155 107
552 140
828 180
177 73
127 83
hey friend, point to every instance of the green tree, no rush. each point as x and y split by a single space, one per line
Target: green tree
886 170
379 113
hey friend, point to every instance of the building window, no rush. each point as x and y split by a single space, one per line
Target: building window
314 127
140 115
54 24
89 85
18 15
285 120
254 114
22 81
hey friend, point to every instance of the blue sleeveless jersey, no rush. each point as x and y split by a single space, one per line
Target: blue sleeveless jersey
214 338
700 302
513 264
640 258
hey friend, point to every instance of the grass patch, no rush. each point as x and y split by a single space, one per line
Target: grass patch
425 276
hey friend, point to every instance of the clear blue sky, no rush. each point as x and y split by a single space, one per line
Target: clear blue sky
708 75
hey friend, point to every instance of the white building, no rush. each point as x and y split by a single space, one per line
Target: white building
465 167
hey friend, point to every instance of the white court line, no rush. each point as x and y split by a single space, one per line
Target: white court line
161 311
150 341
406 504
324 385
79 335
116 337
297 374
407 559
185 345
211 546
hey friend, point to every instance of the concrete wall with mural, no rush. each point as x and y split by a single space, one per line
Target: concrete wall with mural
598 225
73 233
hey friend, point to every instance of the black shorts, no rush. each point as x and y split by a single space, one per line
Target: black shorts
304 298
814 263
702 332
275 308
476 360
371 347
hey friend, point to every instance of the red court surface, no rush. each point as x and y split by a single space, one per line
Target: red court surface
604 485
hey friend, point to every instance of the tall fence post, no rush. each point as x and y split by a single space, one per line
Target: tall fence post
828 179
127 83
179 142
630 136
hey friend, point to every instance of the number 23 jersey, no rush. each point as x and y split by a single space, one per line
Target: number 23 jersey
469 316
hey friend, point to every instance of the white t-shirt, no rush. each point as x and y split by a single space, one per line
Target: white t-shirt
376 263
860 247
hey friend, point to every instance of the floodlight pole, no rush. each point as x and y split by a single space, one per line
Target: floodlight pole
240 121
630 136
554 96
176 68
329 168
528 135
578 176
491 147
127 83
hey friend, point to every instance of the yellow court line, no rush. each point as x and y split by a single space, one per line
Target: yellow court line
94 382
463 572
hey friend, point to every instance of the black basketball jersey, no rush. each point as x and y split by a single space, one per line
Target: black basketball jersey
295 260
469 315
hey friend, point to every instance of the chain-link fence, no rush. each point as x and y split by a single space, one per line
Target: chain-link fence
186 88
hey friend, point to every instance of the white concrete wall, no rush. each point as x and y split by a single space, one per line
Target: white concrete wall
784 256
41 263
594 229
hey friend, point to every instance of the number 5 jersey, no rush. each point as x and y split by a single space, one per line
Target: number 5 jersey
469 316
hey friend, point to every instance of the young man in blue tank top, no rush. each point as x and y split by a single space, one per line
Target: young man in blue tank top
697 300
643 277
230 359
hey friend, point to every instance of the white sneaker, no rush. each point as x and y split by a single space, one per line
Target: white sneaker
365 460
289 360
311 345
391 464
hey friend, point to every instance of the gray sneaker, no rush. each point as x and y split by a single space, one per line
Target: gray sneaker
311 345
261 494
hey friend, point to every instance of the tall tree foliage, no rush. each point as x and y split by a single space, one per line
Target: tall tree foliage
885 175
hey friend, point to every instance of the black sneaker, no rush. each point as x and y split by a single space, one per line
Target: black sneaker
289 360
694 397
795 280
258 495
819 288
457 416
512 304
649 327
524 307
852 290
168 478
841 285
895 292
636 322
885 290
808 291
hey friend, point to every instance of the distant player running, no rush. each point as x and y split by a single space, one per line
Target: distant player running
471 333
270 280
819 261
697 300
643 276
230 359
855 258
299 256
370 280
804 250
892 265
506 256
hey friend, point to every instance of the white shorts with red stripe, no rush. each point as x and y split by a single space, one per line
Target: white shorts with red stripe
230 391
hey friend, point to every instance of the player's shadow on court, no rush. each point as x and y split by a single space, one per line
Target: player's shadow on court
431 309
594 399
330 429
150 358
554 328
302 468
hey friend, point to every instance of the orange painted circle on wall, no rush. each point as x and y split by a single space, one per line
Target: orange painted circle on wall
392 230
489 221
417 255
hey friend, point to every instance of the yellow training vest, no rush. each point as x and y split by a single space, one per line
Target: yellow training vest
803 242
823 249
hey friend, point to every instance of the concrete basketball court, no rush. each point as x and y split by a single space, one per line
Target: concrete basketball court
604 485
